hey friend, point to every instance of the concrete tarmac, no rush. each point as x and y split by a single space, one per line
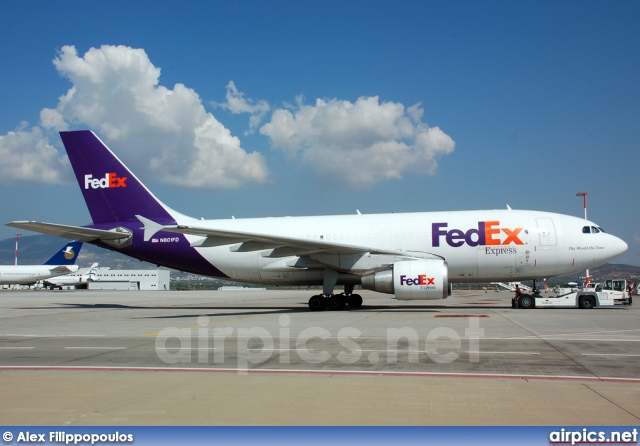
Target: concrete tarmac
262 358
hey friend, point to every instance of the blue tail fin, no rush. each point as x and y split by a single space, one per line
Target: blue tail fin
111 191
67 255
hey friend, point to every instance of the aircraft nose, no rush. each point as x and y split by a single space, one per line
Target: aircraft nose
619 246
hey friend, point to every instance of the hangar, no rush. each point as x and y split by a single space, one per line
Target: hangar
130 280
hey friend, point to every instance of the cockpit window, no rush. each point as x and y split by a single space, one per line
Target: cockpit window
592 229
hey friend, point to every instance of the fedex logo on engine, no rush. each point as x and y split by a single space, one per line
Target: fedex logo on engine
487 233
109 181
422 279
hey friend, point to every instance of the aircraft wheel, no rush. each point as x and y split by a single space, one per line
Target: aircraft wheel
355 301
586 302
317 303
336 302
526 302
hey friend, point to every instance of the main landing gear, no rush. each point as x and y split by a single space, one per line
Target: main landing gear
334 302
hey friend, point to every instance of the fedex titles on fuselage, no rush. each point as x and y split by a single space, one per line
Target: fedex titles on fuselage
488 233
110 180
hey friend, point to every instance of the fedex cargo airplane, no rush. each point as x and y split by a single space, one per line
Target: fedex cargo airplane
61 263
411 255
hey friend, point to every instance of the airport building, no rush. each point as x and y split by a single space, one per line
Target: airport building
130 280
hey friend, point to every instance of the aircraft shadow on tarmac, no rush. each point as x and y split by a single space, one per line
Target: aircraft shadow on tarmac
254 310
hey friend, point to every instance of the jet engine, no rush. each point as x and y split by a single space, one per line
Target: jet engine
411 280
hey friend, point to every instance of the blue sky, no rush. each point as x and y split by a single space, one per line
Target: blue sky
304 108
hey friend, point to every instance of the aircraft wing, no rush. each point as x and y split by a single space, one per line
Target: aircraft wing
250 241
280 246
71 232
64 269
243 241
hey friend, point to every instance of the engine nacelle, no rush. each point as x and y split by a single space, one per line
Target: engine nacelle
411 280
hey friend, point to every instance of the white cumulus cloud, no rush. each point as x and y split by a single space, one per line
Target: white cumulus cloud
237 103
26 156
358 144
165 132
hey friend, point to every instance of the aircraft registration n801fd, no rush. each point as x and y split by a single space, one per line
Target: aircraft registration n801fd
411 255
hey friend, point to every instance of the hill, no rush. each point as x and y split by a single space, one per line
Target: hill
606 271
37 249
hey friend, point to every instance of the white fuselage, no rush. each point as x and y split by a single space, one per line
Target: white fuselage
28 274
494 245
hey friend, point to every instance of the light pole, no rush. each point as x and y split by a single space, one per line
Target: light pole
583 195
587 279
16 259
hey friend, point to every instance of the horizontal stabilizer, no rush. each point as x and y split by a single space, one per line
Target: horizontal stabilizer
150 227
71 232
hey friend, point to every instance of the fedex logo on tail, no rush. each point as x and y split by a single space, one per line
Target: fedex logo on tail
109 181
487 233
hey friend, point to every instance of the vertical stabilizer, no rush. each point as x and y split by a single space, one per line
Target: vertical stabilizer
67 255
111 191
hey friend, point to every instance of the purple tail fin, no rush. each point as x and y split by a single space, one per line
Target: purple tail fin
111 191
